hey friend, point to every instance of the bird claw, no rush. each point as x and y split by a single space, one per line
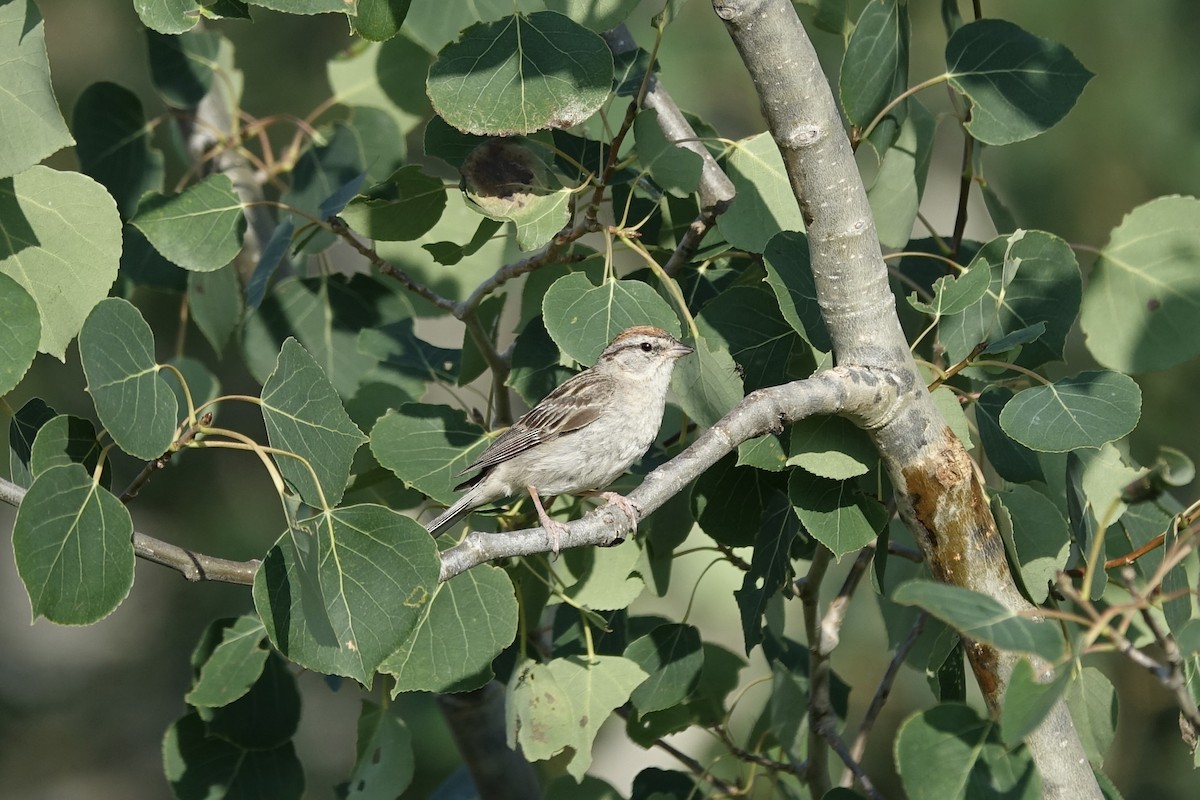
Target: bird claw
631 513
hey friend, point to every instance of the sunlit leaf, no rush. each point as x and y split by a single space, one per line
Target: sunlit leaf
521 74
1141 310
583 318
60 238
33 125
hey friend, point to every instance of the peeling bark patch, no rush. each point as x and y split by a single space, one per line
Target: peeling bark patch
985 663
948 505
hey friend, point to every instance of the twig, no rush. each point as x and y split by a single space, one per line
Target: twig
882 692
339 227
192 565
694 766
831 623
820 709
1174 678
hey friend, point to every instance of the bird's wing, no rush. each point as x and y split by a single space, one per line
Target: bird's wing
570 407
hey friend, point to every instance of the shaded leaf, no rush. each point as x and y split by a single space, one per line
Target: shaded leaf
215 303
200 228
72 542
979 617
1019 84
426 446
1037 536
377 21
199 765
342 593
404 207
113 144
305 416
790 276
1088 410
765 203
182 67
469 621
835 513
384 763
23 429
20 332
134 402
232 665
672 657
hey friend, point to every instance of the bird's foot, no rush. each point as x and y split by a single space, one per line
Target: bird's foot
554 529
631 513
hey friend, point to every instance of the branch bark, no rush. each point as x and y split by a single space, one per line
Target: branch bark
938 491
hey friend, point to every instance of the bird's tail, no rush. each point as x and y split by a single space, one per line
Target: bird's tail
444 521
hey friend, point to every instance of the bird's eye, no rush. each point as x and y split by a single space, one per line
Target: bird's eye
647 347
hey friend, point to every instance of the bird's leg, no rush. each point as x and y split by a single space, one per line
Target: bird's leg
554 528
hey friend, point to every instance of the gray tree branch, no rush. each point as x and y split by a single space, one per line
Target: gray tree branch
939 495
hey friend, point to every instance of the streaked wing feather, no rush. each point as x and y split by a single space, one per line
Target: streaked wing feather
570 407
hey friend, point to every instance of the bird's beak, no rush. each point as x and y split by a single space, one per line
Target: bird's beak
679 350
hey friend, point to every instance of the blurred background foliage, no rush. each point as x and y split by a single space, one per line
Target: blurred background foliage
82 711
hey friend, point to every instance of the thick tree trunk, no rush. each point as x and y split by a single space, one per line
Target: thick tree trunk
938 490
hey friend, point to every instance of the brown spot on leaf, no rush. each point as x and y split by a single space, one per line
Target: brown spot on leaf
1153 304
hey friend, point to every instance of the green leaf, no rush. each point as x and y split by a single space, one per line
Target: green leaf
765 203
601 578
470 620
563 704
835 513
875 66
72 542
789 275
770 566
706 383
183 67
342 593
674 168
583 318
1019 84
398 345
404 207
952 411
168 16
33 125
215 303
953 294
66 440
1037 536
60 238
305 416
536 367
1092 701
672 656
1028 699
768 351
324 168
306 6
114 144
383 763
23 429
327 315
981 618
135 403
1034 278
379 20
1012 461
521 74
895 192
20 331
1088 410
1141 310
199 229
273 254
199 765
950 751
427 446
264 717
831 447
232 665
596 15
143 265
388 77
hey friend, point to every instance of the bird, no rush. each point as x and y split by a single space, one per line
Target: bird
581 436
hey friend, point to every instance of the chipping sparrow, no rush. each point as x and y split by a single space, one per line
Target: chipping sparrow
582 435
